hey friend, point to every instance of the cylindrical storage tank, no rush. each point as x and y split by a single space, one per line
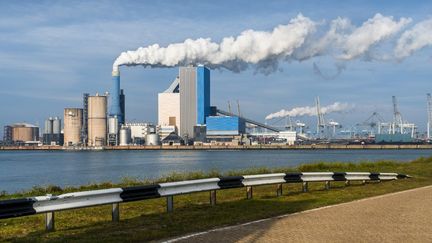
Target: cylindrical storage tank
48 126
97 120
25 132
125 136
113 125
72 126
152 139
56 126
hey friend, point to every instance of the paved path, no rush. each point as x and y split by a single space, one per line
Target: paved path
402 217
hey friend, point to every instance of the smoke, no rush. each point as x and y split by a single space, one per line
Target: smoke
414 39
300 39
260 48
310 110
339 68
374 30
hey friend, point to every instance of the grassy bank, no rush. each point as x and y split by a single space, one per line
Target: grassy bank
147 220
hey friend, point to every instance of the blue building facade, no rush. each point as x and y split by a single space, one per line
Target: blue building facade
202 94
116 109
225 125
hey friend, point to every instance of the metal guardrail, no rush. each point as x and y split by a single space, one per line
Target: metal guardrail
49 204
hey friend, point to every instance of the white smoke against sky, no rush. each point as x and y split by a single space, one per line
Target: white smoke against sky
300 39
414 39
311 110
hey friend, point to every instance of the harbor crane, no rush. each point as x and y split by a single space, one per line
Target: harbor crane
320 117
397 117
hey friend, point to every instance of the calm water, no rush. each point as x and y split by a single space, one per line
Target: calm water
23 169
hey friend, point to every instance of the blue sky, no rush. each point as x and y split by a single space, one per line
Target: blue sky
53 51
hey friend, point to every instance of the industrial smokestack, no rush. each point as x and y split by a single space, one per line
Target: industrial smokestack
115 109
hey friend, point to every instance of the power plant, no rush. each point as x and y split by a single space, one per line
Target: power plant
187 117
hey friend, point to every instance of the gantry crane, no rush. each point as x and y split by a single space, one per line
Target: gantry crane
320 116
397 117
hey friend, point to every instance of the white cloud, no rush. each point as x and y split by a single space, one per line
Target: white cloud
371 32
414 39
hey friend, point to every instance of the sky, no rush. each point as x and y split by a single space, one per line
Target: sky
53 51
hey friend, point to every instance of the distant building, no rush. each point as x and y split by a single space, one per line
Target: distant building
225 125
122 106
21 133
139 131
194 98
73 121
52 132
169 106
84 129
97 120
7 135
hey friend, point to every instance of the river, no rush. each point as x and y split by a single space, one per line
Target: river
20 170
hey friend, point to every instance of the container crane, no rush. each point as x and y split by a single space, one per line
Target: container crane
320 116
397 117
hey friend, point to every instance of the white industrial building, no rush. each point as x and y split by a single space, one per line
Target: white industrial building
169 106
140 130
290 136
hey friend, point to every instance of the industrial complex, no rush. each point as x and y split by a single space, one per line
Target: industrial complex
186 117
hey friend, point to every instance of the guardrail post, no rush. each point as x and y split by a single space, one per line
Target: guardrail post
213 197
279 190
327 185
170 203
115 212
49 221
249 192
347 183
305 186
364 182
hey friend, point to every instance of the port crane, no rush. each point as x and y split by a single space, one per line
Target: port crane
397 117
320 117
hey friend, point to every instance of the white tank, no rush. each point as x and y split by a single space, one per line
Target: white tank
97 120
48 126
72 126
113 125
56 125
125 136
152 139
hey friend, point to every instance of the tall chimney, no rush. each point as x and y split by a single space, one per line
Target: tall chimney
115 109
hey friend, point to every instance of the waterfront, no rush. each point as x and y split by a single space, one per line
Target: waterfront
21 170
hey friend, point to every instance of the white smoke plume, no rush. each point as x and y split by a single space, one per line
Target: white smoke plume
310 110
300 39
371 32
250 47
414 39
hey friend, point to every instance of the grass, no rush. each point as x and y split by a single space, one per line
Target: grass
148 220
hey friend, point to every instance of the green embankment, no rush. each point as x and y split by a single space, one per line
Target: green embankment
148 220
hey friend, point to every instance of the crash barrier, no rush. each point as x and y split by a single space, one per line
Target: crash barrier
50 203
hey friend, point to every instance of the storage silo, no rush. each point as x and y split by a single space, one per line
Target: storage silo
24 132
97 120
152 139
48 126
72 126
56 125
125 136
